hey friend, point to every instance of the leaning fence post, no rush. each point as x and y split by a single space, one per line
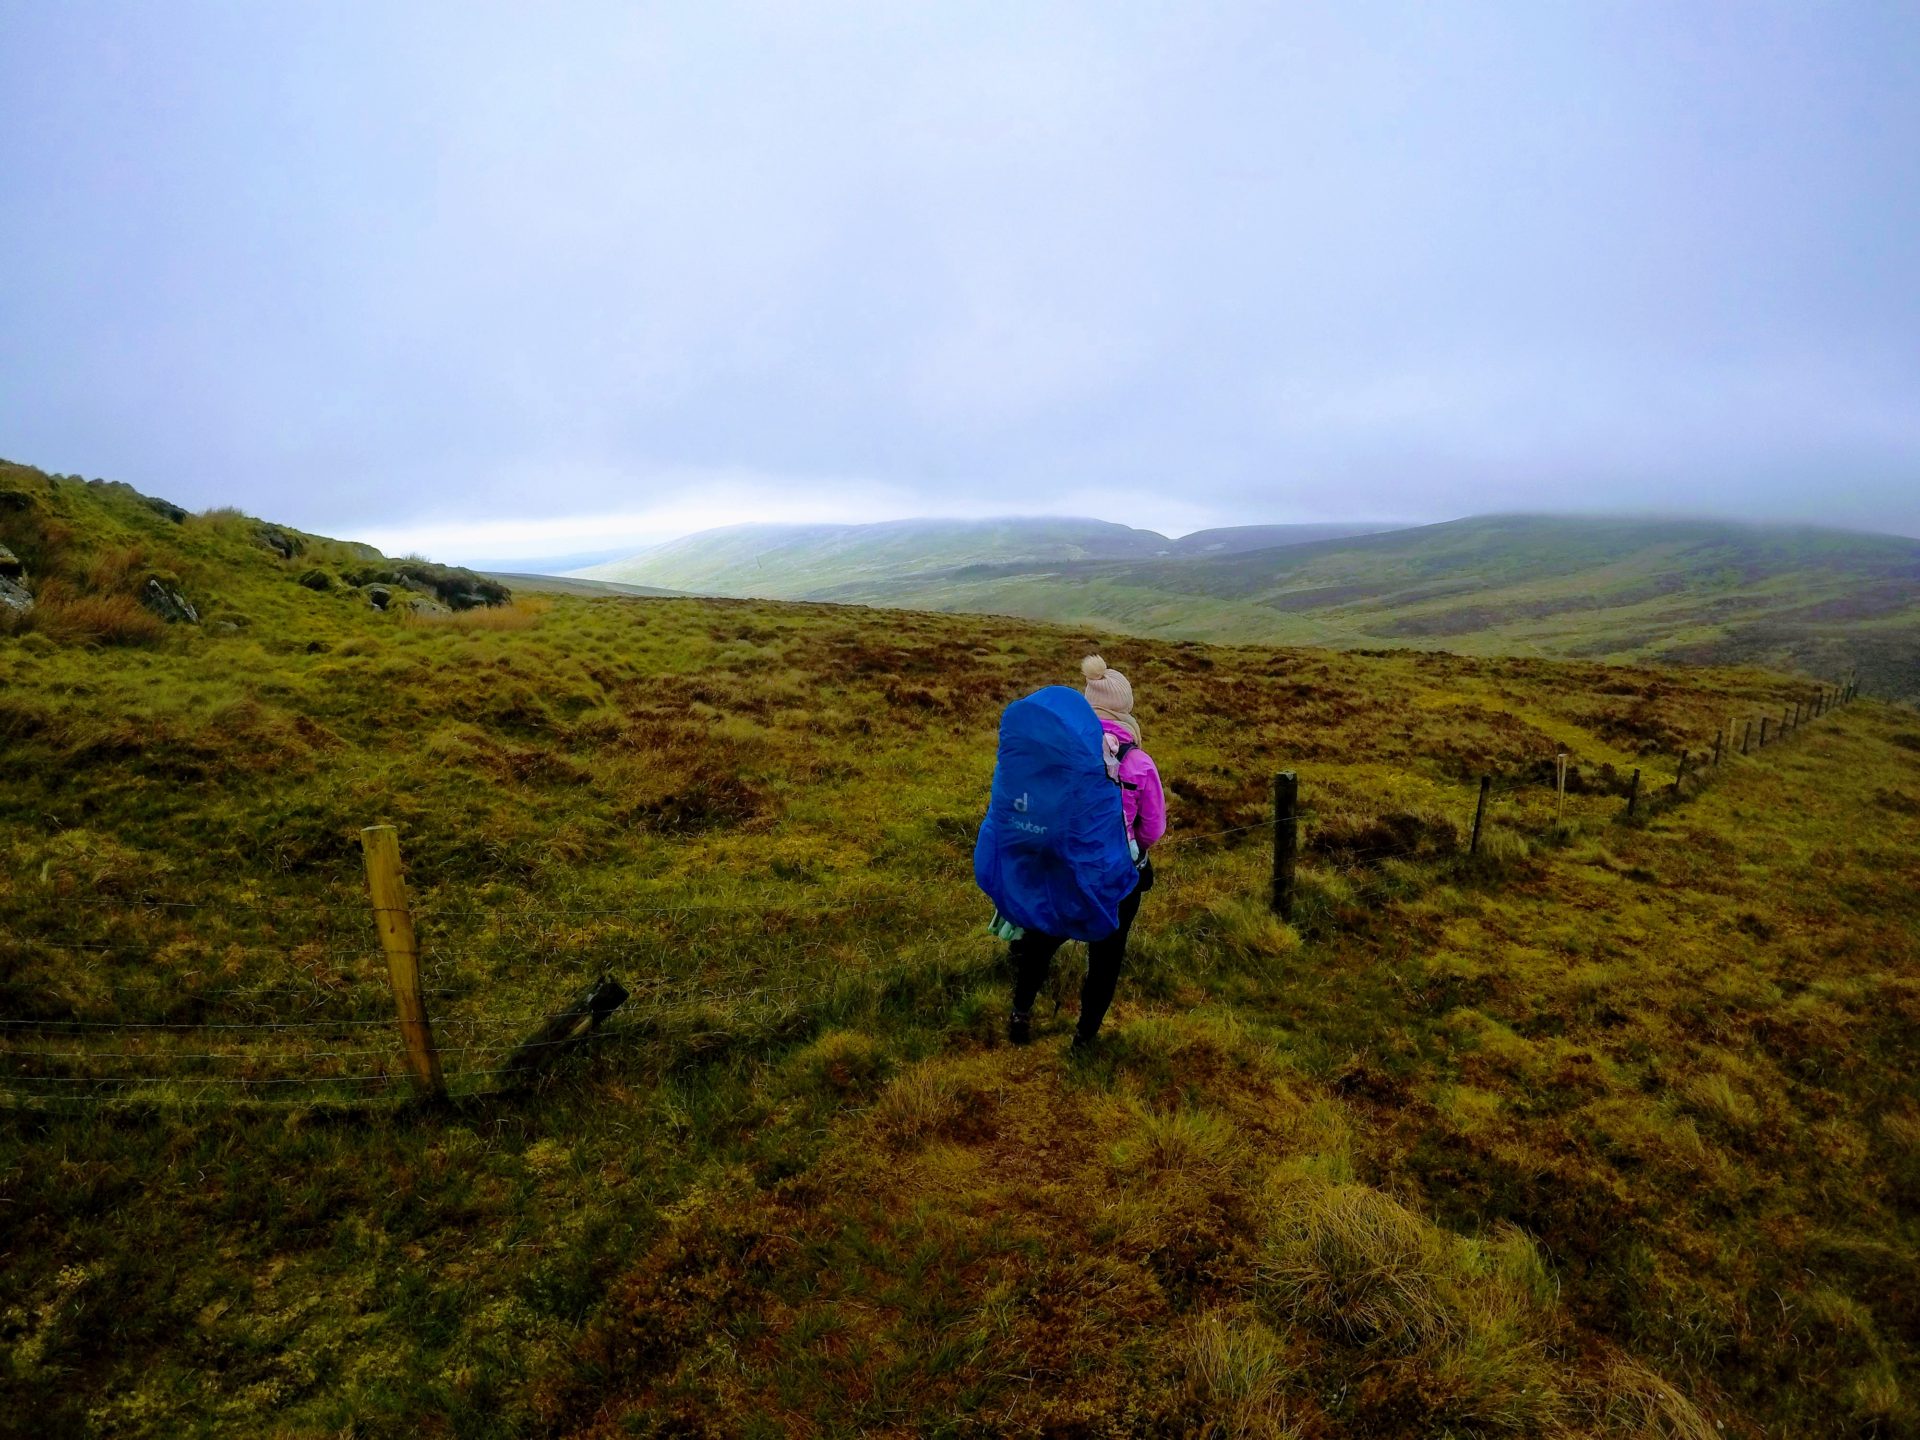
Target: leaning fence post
1763 732
1746 738
1680 773
395 923
1560 785
1286 840
1718 736
1633 793
1479 813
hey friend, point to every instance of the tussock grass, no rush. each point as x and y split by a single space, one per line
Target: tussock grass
1236 1372
1551 1123
1353 1261
517 615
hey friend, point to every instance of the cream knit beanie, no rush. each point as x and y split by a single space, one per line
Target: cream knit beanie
1109 693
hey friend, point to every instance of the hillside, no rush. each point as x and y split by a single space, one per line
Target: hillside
1820 602
788 562
1608 1130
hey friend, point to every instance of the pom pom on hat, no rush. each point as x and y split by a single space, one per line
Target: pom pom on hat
1109 693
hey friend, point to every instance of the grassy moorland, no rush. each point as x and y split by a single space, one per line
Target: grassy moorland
798 562
1798 598
1609 1131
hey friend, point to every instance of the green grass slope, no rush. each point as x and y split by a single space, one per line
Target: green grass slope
794 561
1818 601
799 562
1606 1131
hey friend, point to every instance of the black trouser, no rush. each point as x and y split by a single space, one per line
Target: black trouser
1033 958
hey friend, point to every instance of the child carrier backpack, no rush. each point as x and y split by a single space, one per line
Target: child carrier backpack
1052 853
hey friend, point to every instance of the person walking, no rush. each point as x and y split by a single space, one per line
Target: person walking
1144 811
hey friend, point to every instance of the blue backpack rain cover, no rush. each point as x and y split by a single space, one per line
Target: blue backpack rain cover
1052 853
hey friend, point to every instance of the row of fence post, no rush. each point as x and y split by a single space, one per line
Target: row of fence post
394 918
1286 787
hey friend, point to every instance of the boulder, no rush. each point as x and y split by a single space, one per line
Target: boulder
282 544
15 500
379 596
317 579
424 605
168 603
10 566
166 509
14 596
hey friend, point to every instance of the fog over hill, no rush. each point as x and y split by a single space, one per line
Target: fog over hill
788 562
1641 588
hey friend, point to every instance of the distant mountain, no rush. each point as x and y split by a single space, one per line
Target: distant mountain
789 562
1238 538
1703 591
534 583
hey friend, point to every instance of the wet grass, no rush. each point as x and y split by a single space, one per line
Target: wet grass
1607 1130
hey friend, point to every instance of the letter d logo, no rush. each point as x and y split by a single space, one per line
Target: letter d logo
1021 803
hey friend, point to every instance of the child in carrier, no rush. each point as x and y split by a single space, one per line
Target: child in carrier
1143 811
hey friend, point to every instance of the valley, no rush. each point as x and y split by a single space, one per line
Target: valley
1617 1113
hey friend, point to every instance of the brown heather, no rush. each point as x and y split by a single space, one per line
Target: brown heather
1608 1131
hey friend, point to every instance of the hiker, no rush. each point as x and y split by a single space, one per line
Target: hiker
1078 876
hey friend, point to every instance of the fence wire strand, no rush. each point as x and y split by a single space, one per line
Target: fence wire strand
656 997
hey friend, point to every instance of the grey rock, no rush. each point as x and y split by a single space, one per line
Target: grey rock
14 596
379 596
282 544
423 605
169 605
165 508
10 566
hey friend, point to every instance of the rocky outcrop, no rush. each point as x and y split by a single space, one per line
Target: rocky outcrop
168 603
280 542
379 596
14 595
453 587
317 579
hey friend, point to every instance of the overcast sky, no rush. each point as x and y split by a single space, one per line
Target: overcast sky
490 281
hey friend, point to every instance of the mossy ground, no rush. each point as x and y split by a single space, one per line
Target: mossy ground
1609 1130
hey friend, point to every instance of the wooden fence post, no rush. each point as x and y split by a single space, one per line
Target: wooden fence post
1286 840
1633 794
1479 813
1763 732
1680 773
395 923
1560 785
1746 738
1718 736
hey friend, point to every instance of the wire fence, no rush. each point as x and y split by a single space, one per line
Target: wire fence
83 1056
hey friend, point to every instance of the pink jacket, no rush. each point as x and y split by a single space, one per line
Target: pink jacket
1145 806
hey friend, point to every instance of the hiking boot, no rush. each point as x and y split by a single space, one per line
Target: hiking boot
1083 1045
1020 1027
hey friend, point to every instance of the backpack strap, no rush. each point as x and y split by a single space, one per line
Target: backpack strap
1127 747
